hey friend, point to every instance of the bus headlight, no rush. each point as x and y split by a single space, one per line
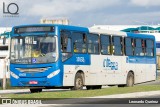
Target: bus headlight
14 75
53 73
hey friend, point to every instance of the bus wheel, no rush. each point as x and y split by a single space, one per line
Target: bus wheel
36 90
130 80
78 83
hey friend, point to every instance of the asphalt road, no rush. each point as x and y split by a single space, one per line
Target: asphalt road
107 102
105 105
87 105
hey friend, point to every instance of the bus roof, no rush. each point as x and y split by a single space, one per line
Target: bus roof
120 33
90 30
59 25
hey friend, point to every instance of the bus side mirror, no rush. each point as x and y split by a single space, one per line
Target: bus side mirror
4 40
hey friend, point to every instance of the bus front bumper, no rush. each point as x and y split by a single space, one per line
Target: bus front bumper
34 82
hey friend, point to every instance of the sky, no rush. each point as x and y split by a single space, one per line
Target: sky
83 12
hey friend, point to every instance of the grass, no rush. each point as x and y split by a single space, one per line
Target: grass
85 93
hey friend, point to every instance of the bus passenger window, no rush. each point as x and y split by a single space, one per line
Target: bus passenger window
149 48
138 48
79 42
105 44
128 42
117 45
93 43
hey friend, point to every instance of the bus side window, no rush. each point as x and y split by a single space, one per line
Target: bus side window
129 46
105 44
138 47
93 43
117 45
79 42
66 47
149 47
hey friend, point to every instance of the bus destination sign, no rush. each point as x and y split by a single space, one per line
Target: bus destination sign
32 29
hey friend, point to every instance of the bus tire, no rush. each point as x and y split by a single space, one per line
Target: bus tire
130 80
78 82
36 90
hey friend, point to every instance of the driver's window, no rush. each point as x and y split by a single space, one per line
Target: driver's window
66 45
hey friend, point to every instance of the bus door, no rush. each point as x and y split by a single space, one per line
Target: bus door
66 54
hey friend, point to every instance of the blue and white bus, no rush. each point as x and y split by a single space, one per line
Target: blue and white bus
63 56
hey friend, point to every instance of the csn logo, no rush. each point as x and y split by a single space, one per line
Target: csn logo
11 9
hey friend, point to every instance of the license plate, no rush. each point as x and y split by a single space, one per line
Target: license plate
33 82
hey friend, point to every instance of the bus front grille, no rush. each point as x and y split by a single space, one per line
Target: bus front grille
32 69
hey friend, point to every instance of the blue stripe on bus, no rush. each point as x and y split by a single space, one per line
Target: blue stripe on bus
144 36
157 45
79 59
141 60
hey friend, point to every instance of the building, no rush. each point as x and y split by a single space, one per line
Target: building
55 21
4 47
4 51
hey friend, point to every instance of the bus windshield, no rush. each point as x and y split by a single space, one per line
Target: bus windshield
33 49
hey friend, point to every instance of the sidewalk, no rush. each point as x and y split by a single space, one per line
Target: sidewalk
131 95
14 91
